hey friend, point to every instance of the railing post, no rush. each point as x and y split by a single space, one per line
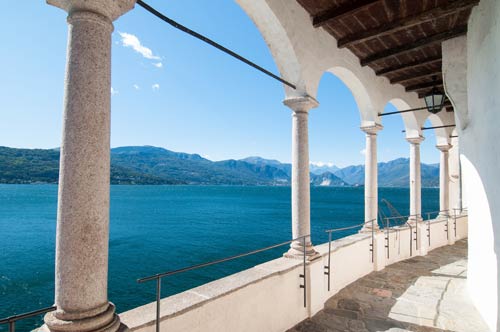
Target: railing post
387 236
455 222
158 298
446 230
429 230
416 233
12 326
373 241
303 275
327 272
411 240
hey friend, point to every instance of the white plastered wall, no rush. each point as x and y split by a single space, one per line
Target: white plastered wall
472 65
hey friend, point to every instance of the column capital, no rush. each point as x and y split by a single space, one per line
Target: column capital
301 104
372 129
111 9
444 148
415 140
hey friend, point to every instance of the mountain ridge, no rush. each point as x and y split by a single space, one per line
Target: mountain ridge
155 165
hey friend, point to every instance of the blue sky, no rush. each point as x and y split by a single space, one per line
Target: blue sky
199 101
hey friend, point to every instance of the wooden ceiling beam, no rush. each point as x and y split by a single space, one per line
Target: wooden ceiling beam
437 38
338 12
407 22
407 78
397 69
425 85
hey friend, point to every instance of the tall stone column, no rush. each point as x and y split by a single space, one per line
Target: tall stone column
444 180
455 201
301 224
415 179
81 277
371 177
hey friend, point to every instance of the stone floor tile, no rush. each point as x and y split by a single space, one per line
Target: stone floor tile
420 294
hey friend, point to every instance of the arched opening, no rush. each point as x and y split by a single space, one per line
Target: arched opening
336 142
358 91
397 128
180 113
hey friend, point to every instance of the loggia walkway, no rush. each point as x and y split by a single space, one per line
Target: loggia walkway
421 294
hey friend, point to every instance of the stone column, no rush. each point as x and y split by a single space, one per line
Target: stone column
83 202
455 201
371 177
444 180
301 224
415 179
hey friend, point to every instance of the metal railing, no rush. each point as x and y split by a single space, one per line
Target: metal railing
13 319
445 215
330 231
442 213
458 215
159 276
393 224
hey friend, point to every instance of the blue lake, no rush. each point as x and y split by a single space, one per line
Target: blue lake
159 228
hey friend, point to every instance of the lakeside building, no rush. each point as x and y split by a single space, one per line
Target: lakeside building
399 52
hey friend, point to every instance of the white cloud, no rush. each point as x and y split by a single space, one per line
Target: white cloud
363 152
130 40
114 92
137 87
158 64
321 164
155 87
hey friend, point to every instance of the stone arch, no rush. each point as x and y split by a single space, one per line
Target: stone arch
358 90
443 118
279 43
411 122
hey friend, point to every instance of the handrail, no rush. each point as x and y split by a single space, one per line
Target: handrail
445 213
222 260
402 217
346 228
13 319
457 216
159 276
405 223
330 231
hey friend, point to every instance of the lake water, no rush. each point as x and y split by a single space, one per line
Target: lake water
159 228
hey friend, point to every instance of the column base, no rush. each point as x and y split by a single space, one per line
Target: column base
121 328
414 220
296 251
367 228
106 321
442 215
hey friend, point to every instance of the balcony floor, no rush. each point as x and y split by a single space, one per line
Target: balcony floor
421 294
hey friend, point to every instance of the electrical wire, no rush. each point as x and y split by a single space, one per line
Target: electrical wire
211 42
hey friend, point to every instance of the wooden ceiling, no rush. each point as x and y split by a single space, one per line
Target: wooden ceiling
398 39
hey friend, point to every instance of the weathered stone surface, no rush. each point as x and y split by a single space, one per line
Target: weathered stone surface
345 313
349 304
81 278
301 210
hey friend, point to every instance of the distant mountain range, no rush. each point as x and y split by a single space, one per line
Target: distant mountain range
395 173
153 165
